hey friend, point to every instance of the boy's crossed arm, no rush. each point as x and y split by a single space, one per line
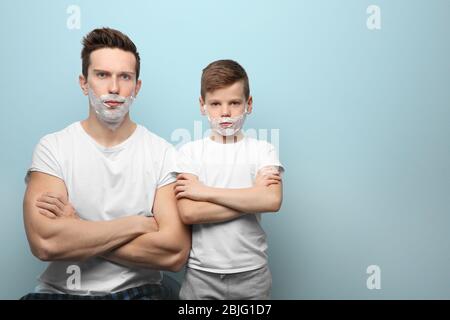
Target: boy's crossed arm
198 203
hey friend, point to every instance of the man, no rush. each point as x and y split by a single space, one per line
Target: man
100 202
227 181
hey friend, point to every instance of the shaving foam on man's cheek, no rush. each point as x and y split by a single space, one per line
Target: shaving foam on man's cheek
112 117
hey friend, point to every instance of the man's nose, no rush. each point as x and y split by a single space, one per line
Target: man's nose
114 86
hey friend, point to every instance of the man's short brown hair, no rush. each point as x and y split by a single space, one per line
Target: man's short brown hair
221 74
106 38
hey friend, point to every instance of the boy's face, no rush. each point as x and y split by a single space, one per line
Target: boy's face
226 102
111 71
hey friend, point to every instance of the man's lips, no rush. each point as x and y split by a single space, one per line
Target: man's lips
226 124
113 103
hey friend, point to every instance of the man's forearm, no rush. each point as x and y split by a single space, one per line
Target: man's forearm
73 239
196 212
165 249
256 199
154 250
53 235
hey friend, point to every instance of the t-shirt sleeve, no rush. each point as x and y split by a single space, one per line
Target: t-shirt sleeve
45 159
168 172
185 161
268 158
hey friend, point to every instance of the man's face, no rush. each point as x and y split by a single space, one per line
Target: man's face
111 71
226 102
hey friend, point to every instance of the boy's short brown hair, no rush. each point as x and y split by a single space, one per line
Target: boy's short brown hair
106 38
221 74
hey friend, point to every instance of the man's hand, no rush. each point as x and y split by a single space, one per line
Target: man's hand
188 186
55 206
150 224
267 176
166 249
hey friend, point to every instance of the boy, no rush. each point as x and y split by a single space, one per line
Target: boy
227 180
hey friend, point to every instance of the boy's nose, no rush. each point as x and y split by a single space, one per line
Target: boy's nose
225 111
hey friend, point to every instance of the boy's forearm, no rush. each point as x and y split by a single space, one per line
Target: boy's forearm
196 212
256 199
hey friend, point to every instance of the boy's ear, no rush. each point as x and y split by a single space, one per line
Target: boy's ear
83 84
249 105
202 103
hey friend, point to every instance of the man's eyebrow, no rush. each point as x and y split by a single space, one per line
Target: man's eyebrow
100 70
104 71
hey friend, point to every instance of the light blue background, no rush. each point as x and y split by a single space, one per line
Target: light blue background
363 118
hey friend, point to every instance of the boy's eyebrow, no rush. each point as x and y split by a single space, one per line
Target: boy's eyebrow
232 99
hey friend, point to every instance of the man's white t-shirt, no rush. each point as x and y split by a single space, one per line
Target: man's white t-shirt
104 184
237 245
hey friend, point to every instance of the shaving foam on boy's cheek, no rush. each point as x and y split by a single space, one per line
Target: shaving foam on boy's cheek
236 123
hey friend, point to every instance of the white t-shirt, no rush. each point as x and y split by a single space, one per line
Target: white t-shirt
104 184
237 245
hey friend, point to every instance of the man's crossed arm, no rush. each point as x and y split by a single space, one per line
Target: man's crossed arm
198 203
55 232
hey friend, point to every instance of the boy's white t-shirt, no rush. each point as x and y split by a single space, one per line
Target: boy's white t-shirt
237 245
104 184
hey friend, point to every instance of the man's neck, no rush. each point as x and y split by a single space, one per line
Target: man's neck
104 135
226 139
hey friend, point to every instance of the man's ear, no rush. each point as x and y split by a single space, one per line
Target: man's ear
202 103
249 105
83 84
138 88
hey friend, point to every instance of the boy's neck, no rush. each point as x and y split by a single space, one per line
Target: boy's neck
226 139
105 136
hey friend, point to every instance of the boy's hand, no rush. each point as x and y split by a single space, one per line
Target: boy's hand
188 186
55 206
267 176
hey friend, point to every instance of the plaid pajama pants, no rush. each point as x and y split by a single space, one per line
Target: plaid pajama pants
168 290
